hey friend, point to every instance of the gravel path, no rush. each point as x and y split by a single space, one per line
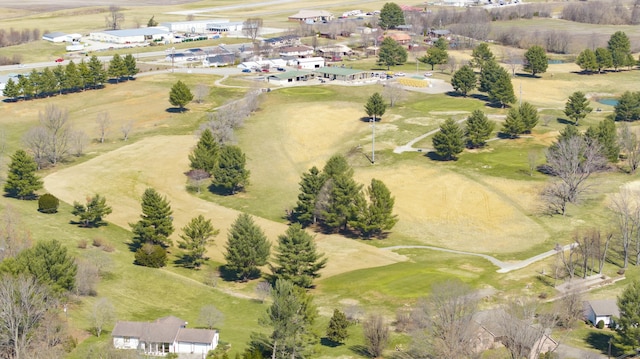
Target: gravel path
505 267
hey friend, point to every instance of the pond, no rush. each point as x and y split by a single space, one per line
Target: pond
608 101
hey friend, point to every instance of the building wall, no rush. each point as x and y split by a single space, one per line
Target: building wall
310 65
121 343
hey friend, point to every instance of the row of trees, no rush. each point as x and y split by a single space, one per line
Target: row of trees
70 78
616 55
332 198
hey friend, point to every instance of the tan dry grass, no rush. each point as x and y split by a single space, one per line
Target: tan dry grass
159 162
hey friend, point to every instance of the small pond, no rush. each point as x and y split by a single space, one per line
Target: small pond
608 101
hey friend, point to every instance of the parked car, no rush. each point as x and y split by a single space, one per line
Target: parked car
59 59
282 69
428 74
246 70
265 70
400 74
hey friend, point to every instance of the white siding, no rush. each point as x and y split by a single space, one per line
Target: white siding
125 343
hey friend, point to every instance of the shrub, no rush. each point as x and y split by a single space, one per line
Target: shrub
82 244
151 255
48 203
98 242
543 295
600 324
108 248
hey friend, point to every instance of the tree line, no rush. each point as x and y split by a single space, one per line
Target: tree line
616 55
70 78
602 12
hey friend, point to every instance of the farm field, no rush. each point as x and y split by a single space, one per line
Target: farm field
486 202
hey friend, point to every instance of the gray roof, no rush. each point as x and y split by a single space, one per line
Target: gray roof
605 307
188 335
163 330
340 71
137 32
51 35
129 329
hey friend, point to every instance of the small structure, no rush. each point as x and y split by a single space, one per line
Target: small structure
311 16
61 37
439 33
263 64
342 74
310 63
605 310
335 52
194 27
295 51
400 37
163 336
132 36
289 77
224 27
286 40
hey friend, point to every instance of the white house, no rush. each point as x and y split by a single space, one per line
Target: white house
597 310
261 64
311 16
132 36
55 37
310 63
195 26
296 51
165 335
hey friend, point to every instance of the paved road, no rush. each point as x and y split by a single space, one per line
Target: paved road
505 267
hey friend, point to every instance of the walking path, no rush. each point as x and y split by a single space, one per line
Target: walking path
505 267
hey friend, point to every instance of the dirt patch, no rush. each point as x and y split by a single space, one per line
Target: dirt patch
159 162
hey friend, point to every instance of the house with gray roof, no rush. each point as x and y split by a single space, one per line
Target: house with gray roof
165 335
604 309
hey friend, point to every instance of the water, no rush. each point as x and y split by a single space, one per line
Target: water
608 101
555 62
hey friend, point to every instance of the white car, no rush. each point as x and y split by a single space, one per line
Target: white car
428 74
400 74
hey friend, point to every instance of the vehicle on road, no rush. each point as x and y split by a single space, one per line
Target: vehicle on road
281 69
428 74
246 70
59 59
400 74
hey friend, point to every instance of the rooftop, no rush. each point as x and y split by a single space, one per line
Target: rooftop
340 71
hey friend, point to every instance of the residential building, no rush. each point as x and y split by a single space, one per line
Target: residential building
311 16
605 310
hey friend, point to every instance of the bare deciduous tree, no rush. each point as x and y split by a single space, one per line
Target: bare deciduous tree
24 303
354 313
570 260
394 92
14 238
198 178
376 334
263 290
532 157
55 122
126 129
102 315
251 28
630 146
115 18
210 316
625 206
87 277
201 92
103 122
79 141
35 139
522 335
570 309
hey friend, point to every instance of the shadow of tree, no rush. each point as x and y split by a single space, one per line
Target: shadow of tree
360 350
600 341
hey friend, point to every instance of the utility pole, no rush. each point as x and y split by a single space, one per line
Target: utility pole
373 139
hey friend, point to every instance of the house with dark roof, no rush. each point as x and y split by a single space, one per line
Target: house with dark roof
311 16
165 335
605 310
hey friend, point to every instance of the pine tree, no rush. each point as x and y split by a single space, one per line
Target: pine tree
205 155
155 225
536 61
22 180
628 107
337 329
247 248
529 116
97 74
130 65
310 186
620 47
627 330
513 124
47 83
481 55
180 95
391 53
587 61
91 214
606 135
488 75
375 217
230 173
26 87
478 129
375 106
11 90
577 107
85 74
501 91
464 80
297 259
117 67
603 59
434 56
342 207
197 234
449 141
337 166
73 77
391 15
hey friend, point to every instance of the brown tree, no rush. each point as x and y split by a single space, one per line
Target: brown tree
376 334
251 28
103 121
114 19
102 315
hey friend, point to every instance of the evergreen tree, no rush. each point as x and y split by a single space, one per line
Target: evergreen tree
587 61
441 43
577 107
310 186
337 329
488 75
620 48
376 216
567 132
197 234
375 106
628 107
606 135
151 255
434 56
603 59
464 80
297 259
247 248
337 166
91 214
478 129
49 262
85 75
535 60
449 141
627 336
155 224
481 55
11 90
513 124
342 207
230 173
391 53
73 79
205 155
130 66
26 87
180 95
391 15
501 91
529 116
60 74
152 22
46 83
117 67
22 180
97 74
